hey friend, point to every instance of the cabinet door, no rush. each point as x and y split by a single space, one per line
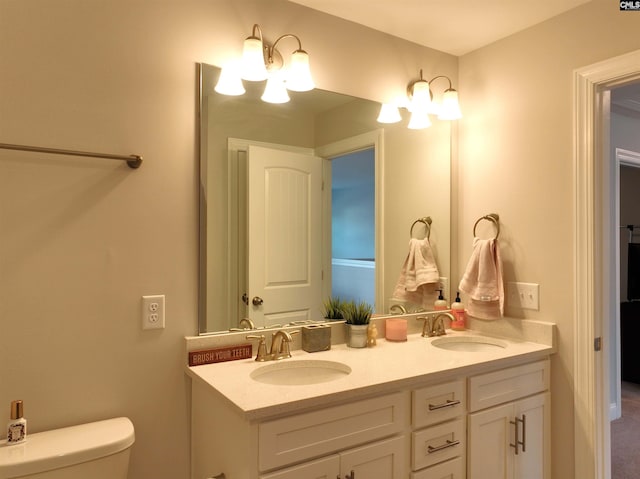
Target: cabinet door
490 433
325 468
533 459
381 460
492 440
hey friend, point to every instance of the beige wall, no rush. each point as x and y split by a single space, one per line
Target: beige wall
516 146
81 240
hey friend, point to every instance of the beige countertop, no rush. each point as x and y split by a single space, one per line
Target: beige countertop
387 367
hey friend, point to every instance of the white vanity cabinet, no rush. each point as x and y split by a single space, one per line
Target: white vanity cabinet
380 460
461 419
359 439
508 424
439 431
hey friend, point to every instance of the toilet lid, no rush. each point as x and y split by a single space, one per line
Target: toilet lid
64 447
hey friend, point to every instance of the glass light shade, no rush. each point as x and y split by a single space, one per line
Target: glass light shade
389 114
253 67
229 82
275 91
420 96
299 75
419 120
450 109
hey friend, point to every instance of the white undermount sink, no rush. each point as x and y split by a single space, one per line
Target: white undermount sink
298 373
468 343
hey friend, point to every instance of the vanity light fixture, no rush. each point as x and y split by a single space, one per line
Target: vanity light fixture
421 104
262 61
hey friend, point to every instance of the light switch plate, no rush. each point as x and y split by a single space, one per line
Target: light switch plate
523 295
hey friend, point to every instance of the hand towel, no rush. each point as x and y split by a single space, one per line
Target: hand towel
419 276
482 280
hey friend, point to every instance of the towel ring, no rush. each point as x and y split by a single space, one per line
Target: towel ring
427 223
494 218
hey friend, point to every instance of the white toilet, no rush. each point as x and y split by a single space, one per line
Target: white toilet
98 450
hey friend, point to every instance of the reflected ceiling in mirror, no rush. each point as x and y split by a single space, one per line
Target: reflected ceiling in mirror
411 181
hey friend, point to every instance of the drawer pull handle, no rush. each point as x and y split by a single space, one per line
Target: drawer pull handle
449 403
449 443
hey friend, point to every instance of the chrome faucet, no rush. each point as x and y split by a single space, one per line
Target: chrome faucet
434 324
280 345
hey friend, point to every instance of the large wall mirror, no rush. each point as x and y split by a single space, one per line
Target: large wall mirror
311 198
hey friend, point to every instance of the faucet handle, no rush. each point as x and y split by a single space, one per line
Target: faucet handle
427 327
262 347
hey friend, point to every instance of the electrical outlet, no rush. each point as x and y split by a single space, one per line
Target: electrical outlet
524 295
153 312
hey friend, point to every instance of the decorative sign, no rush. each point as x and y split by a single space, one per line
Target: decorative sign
219 355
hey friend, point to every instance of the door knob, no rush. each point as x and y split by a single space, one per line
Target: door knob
257 301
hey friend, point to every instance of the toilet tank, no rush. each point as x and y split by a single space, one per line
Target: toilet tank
97 450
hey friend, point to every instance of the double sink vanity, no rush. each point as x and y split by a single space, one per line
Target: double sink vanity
472 404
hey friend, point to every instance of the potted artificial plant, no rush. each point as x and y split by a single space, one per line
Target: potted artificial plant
333 307
357 316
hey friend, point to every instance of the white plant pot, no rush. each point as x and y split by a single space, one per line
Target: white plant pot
357 335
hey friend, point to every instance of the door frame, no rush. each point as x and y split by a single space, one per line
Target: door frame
592 264
372 139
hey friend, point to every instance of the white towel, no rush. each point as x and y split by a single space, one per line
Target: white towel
419 276
482 280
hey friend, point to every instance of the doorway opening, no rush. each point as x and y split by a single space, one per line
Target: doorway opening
353 228
624 376
595 231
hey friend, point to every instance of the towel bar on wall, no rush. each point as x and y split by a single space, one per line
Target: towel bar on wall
494 218
427 223
134 161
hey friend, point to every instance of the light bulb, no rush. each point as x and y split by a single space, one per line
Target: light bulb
275 91
299 74
229 82
419 120
421 97
450 108
389 114
253 68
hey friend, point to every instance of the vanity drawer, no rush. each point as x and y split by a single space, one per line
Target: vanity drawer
437 444
486 390
452 469
305 436
434 404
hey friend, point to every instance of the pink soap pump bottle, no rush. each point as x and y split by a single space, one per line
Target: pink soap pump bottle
440 303
457 309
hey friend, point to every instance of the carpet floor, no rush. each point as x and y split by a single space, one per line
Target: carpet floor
625 435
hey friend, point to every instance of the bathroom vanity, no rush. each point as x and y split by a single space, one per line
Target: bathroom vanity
423 409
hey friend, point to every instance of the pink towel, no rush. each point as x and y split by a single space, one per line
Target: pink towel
482 280
419 276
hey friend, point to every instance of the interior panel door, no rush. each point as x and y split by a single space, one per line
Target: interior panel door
284 236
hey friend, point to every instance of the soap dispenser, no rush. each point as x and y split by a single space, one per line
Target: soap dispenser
440 303
457 309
